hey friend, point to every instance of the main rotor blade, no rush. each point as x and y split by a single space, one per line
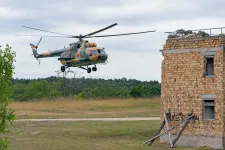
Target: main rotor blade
45 31
101 30
119 34
50 36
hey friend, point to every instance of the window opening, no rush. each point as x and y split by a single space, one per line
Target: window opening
208 109
209 66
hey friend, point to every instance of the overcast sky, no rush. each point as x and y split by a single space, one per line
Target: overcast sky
135 56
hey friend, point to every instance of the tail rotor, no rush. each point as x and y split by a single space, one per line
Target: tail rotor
38 42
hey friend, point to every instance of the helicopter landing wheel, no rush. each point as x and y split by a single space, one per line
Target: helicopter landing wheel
94 68
63 68
88 70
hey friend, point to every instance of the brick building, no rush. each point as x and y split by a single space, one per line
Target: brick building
193 75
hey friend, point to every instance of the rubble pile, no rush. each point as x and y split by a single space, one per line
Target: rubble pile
187 33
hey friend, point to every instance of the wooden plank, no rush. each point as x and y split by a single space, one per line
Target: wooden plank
181 131
167 127
182 121
160 129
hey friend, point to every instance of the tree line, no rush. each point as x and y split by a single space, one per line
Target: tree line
28 89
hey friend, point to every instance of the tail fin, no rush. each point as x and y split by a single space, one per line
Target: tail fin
34 48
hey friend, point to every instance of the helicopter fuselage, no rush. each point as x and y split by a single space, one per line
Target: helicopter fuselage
78 54
83 54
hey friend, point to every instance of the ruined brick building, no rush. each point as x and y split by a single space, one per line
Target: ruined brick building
193 80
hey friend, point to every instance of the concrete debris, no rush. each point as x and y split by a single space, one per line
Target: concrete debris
181 33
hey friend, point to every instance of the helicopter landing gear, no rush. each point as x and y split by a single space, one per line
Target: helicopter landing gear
94 68
88 70
63 68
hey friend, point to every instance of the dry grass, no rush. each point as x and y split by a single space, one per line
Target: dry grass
86 135
72 108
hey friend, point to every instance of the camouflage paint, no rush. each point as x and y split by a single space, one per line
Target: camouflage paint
93 58
73 56
63 62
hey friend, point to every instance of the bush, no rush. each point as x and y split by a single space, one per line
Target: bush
7 58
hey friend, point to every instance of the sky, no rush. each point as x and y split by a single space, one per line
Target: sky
133 57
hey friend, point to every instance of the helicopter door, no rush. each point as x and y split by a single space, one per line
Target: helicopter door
83 53
74 48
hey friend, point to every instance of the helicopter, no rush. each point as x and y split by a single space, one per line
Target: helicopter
80 54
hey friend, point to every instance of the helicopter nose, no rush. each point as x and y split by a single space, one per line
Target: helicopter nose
102 57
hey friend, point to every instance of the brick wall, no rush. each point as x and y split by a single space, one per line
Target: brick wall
185 43
183 82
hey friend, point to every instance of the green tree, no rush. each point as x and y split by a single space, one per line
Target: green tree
37 89
7 58
136 91
18 92
51 87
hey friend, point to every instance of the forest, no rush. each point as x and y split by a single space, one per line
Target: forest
82 88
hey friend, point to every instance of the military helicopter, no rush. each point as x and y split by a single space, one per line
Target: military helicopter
79 54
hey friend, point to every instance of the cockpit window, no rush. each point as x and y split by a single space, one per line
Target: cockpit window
92 52
102 50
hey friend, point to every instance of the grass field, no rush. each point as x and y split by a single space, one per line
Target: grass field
70 108
86 135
